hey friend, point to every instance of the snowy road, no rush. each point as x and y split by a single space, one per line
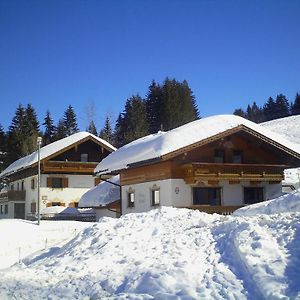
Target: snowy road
167 254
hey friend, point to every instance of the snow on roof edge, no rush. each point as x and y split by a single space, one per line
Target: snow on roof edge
51 149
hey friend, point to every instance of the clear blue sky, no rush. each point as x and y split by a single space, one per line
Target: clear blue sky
56 53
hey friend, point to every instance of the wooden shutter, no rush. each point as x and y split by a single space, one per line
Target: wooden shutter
49 204
71 204
65 182
49 182
33 207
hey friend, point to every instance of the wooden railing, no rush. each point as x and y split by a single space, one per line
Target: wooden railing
69 166
13 195
218 209
216 171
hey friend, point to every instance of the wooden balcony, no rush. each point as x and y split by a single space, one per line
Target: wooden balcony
13 195
233 172
218 209
69 167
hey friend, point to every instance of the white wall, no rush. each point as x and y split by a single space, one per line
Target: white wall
175 192
103 212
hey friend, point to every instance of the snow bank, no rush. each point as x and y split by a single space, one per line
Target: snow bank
102 194
283 204
167 253
59 210
51 149
20 238
156 145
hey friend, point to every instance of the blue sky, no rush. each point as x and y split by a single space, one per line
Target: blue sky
56 53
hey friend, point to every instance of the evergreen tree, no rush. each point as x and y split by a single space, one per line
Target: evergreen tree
31 130
92 128
154 107
16 135
50 129
106 132
282 108
61 131
240 112
3 149
255 113
269 109
70 121
118 138
295 110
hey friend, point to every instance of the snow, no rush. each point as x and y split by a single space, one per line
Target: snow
49 150
285 203
59 210
102 194
288 127
166 253
20 238
156 145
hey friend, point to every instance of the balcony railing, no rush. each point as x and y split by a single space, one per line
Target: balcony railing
69 166
216 171
13 195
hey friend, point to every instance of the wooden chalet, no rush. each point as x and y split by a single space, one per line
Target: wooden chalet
216 164
67 168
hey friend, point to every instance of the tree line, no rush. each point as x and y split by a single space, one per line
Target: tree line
271 110
164 107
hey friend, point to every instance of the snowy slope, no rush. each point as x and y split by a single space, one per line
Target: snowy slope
19 238
288 127
102 194
51 149
167 253
155 145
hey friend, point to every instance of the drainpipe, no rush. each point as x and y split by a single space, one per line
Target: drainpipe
113 183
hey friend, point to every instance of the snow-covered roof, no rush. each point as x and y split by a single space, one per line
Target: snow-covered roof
154 146
102 194
51 149
289 127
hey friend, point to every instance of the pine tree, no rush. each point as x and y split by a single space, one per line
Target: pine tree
61 131
255 113
154 107
282 108
70 121
269 109
295 110
16 135
240 112
3 149
106 132
92 128
50 129
118 137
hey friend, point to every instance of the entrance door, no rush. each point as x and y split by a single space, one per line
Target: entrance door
206 196
19 211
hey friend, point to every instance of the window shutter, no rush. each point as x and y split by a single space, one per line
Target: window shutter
49 182
49 204
97 180
65 182
62 204
72 204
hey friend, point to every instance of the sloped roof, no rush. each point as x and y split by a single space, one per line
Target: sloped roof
102 194
155 146
289 127
50 150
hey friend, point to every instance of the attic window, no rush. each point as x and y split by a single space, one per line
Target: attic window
237 156
84 157
219 156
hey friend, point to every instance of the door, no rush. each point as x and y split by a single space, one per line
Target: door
19 211
206 196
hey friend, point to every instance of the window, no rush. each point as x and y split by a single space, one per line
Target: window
84 157
32 183
206 196
18 186
22 185
6 209
155 197
33 207
219 156
253 195
237 156
1 209
57 182
56 204
12 187
130 199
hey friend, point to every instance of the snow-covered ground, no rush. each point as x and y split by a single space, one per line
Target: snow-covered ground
166 253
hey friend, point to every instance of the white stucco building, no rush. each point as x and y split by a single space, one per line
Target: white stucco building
67 169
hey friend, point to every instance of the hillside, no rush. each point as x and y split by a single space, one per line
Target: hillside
169 253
